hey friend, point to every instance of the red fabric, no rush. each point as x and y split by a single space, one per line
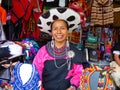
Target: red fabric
3 15
37 31
26 33
28 12
19 9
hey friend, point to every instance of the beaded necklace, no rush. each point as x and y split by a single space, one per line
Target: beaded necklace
59 54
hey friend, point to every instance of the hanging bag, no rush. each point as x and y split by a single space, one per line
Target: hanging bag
91 37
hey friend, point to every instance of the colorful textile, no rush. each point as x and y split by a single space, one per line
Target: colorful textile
19 9
25 77
96 78
75 6
31 48
59 53
102 12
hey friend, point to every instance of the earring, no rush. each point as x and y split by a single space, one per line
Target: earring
52 43
67 42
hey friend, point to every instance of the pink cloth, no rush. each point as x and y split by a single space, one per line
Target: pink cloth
42 56
76 73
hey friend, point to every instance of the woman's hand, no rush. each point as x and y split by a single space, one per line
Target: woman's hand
71 88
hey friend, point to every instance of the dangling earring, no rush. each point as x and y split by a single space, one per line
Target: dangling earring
52 43
67 43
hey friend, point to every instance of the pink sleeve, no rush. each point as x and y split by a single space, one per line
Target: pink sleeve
75 73
39 61
40 58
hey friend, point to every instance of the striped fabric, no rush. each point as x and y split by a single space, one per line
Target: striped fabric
102 12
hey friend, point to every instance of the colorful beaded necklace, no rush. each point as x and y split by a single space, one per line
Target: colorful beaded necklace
59 54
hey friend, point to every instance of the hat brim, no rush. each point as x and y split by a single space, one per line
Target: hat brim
67 14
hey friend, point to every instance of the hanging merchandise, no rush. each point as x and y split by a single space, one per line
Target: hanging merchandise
3 15
82 4
19 9
91 44
102 12
48 4
35 4
6 4
75 35
93 55
88 11
75 6
29 26
92 39
108 44
116 8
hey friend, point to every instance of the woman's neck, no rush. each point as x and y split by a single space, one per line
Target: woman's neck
60 44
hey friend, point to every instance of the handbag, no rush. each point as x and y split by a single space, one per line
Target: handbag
93 54
91 38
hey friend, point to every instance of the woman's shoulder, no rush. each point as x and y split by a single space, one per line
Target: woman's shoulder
42 49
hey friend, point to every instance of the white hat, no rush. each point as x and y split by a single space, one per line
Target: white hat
69 15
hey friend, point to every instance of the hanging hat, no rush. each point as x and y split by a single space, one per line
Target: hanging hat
69 15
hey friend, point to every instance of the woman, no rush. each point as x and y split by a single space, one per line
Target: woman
116 65
58 62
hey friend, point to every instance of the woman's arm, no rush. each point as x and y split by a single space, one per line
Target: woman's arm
39 60
116 58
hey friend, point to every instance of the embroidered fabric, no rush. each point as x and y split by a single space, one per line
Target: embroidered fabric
31 84
96 78
59 53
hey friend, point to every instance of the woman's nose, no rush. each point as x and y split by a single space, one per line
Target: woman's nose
59 31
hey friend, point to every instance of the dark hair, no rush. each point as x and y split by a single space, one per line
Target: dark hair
60 20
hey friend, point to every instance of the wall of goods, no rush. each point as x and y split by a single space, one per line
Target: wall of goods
98 31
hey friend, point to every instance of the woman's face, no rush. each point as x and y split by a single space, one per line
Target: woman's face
59 31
